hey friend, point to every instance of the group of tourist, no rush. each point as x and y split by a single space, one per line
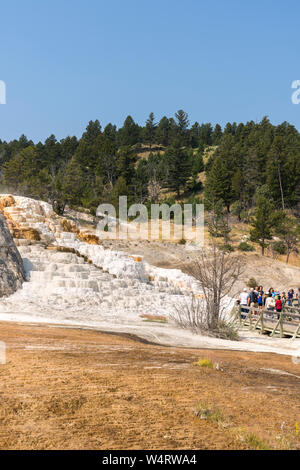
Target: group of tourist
272 301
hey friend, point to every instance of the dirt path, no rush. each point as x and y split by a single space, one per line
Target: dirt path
67 388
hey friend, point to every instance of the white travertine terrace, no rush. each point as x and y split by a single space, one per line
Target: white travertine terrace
112 287
109 292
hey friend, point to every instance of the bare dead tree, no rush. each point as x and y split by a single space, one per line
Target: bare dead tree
154 189
190 314
217 271
218 221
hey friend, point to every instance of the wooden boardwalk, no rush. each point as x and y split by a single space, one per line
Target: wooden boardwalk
286 326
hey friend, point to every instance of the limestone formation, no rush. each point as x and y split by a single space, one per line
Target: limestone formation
11 265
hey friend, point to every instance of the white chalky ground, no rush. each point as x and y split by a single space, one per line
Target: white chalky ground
110 294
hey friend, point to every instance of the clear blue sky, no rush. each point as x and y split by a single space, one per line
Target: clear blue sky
69 61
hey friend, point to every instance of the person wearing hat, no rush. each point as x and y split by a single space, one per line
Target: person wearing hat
277 294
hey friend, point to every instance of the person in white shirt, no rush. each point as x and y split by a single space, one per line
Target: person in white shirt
244 302
270 304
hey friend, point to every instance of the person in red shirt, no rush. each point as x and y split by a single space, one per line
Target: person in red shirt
278 305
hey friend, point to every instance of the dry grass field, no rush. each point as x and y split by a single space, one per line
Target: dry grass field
77 389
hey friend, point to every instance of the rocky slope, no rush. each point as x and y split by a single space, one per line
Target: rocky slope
11 266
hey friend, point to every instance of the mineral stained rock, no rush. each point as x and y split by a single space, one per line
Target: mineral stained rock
12 272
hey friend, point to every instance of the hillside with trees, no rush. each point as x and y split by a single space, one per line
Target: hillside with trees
249 171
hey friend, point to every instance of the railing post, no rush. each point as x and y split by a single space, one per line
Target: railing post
296 332
262 322
250 318
281 324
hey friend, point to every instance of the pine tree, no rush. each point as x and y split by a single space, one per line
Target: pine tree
110 132
205 134
129 134
93 131
179 167
283 168
198 163
150 129
218 221
86 156
182 125
275 179
141 182
73 183
217 134
289 232
194 135
219 182
68 147
165 131
107 159
19 172
52 152
119 189
264 220
126 165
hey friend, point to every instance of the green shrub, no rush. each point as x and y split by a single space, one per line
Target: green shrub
252 283
227 247
244 246
254 442
205 363
227 330
212 414
279 247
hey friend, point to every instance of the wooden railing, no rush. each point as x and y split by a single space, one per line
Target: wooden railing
287 323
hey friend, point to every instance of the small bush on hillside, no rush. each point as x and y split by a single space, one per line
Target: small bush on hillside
238 210
193 316
182 242
244 246
227 330
279 247
227 247
252 283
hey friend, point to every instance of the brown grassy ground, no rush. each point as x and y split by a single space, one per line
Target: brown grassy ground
67 389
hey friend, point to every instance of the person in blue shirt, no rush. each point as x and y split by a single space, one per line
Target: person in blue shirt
290 296
260 300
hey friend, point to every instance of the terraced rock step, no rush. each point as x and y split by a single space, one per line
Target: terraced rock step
83 282
63 286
